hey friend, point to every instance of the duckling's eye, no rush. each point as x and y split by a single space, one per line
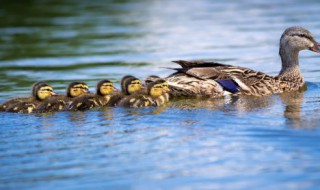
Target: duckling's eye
107 85
46 89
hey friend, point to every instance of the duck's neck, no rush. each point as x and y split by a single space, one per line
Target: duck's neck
290 70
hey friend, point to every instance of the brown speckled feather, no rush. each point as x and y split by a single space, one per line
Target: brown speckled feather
137 100
8 103
53 104
203 74
23 106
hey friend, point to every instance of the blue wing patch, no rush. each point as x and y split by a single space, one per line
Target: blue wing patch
229 85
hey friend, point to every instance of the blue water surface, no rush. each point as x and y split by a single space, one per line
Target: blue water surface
224 143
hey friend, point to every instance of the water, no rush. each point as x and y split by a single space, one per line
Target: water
226 143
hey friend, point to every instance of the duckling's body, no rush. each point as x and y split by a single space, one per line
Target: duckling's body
153 96
137 100
8 103
40 92
23 107
209 79
53 104
61 102
103 97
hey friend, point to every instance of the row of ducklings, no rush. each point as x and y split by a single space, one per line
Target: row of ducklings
78 98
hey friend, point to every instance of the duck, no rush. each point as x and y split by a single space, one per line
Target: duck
40 92
61 102
103 97
153 96
211 79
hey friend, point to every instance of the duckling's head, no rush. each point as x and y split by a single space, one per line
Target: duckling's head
76 89
156 88
151 79
297 38
105 87
130 85
123 82
41 90
165 86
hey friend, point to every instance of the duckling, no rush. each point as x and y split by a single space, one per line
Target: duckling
7 103
153 97
60 102
167 90
40 92
153 78
103 97
130 85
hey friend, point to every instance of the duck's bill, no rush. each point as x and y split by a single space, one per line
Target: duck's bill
165 91
53 94
315 48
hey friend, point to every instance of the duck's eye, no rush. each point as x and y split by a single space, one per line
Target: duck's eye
303 36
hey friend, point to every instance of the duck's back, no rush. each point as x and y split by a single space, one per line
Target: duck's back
214 79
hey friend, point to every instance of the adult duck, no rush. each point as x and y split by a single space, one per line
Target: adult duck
210 79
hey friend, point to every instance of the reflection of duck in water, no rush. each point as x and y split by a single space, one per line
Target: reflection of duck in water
209 79
292 112
40 92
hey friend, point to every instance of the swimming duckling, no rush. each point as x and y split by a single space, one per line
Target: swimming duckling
103 97
130 85
153 78
40 92
153 97
7 103
60 102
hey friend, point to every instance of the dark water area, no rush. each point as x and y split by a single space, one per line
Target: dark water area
225 143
